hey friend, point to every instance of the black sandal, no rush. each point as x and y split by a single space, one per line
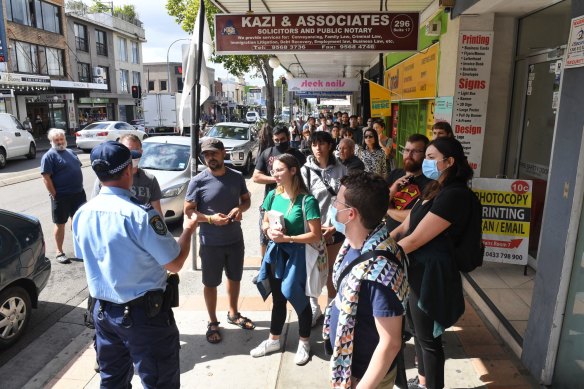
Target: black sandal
240 321
211 332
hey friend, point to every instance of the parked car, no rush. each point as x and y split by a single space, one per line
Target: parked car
252 117
168 158
138 124
24 272
240 141
15 141
99 132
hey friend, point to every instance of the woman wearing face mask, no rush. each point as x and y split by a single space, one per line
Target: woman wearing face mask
436 299
284 263
372 154
322 175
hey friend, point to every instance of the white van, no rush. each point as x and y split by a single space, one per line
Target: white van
252 117
15 141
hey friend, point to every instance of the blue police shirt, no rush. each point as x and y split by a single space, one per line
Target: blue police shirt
124 246
65 170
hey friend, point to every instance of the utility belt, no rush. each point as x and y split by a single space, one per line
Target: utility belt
152 302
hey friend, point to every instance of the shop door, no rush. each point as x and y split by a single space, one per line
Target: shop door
569 372
537 133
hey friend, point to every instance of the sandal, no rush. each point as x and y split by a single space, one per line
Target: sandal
210 333
240 321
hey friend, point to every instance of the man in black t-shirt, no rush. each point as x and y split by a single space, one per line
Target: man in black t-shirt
262 175
406 185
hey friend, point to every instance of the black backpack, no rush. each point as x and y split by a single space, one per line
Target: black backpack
469 250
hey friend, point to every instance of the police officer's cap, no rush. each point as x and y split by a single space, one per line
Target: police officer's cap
110 158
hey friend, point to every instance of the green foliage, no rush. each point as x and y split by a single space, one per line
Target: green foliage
99 7
126 11
185 13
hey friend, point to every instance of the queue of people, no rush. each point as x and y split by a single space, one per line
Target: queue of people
366 218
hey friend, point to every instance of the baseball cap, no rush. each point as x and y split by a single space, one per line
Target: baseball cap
110 158
212 144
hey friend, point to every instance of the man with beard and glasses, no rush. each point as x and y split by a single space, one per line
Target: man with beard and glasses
219 196
61 171
261 174
407 184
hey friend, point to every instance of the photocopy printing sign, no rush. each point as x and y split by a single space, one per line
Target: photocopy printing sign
473 77
506 218
575 50
271 33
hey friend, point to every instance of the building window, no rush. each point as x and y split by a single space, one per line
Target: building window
34 13
83 72
135 53
123 49
124 81
29 58
162 84
81 41
101 42
150 86
136 78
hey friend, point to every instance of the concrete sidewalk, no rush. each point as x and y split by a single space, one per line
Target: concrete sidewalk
476 357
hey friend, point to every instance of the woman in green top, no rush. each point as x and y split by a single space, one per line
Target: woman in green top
284 263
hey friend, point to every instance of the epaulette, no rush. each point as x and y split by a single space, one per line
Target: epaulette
145 207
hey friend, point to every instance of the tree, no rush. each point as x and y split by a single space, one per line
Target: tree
185 13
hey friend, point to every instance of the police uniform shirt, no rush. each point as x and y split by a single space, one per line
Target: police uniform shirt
124 246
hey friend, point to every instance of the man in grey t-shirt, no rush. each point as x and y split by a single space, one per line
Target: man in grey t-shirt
145 187
219 196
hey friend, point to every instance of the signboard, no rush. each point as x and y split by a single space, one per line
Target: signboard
24 79
77 85
506 218
328 95
473 78
323 84
415 77
443 109
271 33
575 50
380 100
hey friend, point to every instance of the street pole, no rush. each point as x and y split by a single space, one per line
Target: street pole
169 87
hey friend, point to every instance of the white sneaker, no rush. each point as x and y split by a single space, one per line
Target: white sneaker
268 346
316 314
302 354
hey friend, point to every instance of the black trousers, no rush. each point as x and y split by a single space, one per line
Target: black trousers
279 310
428 348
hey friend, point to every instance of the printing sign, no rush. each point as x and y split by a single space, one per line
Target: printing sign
271 33
506 218
575 50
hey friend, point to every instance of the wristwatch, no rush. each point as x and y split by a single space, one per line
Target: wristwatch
291 240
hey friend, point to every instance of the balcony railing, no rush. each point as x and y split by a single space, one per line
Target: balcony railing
81 44
101 48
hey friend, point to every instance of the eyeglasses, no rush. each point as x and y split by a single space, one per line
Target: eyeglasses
412 151
274 171
368 136
340 202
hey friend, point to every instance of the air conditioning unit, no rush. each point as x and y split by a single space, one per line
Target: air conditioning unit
99 80
98 72
433 28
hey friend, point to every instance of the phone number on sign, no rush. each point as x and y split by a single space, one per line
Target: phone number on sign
516 257
288 47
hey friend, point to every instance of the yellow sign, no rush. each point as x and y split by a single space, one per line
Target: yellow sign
380 100
414 78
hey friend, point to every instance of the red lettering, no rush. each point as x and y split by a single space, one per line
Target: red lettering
466 83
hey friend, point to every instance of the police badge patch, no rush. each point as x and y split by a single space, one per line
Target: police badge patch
158 225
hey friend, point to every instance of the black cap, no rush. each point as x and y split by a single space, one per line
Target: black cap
110 158
212 144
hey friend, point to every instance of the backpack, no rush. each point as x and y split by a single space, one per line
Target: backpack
469 250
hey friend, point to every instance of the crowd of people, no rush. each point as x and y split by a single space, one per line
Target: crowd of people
334 205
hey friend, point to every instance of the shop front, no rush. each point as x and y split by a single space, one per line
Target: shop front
51 111
15 87
94 109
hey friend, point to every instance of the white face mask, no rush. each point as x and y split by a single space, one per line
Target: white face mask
135 162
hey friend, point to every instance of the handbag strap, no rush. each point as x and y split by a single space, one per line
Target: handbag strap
319 174
364 257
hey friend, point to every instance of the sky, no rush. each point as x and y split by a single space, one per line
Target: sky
161 30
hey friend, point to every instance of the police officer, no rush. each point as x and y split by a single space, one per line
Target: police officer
127 250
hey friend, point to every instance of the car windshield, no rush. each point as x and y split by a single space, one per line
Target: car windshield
164 156
229 132
96 126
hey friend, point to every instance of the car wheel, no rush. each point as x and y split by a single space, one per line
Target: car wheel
31 151
2 158
14 314
247 165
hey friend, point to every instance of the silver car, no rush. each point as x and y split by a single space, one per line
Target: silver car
240 141
168 159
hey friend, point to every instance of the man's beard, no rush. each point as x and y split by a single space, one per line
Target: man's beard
59 147
217 166
412 166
